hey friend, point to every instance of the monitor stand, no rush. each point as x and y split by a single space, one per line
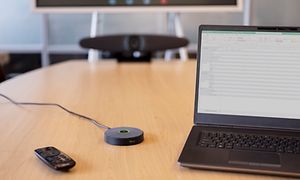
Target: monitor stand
175 27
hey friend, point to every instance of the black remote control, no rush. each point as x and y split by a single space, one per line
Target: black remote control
55 159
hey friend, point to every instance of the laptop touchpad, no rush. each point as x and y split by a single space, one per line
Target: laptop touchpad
254 159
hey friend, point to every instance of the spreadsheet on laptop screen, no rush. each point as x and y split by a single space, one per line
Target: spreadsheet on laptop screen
250 73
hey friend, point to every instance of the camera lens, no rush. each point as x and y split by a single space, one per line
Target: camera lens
134 43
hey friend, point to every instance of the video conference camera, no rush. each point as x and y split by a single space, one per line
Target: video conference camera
133 47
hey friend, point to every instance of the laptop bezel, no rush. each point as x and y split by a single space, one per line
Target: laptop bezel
237 120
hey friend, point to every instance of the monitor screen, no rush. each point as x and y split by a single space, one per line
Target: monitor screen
250 73
139 5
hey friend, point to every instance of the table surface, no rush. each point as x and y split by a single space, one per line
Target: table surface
157 98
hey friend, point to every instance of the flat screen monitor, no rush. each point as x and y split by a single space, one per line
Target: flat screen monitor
137 5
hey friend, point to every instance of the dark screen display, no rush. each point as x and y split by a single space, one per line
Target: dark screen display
130 3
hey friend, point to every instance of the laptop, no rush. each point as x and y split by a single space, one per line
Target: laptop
247 102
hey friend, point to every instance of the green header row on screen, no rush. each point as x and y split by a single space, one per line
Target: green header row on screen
250 32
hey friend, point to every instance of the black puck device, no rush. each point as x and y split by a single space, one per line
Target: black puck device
123 136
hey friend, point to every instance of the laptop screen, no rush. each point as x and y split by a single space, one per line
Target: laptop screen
250 73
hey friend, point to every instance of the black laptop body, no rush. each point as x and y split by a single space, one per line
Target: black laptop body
247 101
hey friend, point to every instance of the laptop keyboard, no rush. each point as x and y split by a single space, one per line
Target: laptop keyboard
250 142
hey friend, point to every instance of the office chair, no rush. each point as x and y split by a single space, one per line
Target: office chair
2 75
133 47
4 59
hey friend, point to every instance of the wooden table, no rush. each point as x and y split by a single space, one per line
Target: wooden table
156 97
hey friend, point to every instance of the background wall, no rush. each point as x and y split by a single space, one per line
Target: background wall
19 25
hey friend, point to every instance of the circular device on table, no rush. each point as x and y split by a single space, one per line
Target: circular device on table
123 136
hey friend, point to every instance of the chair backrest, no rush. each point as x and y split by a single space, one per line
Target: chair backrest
2 75
133 47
